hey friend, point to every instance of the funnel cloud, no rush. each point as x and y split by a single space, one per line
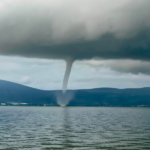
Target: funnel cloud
69 63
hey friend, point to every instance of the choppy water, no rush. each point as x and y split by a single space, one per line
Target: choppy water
50 128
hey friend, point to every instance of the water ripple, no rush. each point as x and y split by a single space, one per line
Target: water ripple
74 128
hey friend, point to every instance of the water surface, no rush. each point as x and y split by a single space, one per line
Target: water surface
74 128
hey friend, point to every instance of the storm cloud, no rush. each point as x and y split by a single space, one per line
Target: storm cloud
80 29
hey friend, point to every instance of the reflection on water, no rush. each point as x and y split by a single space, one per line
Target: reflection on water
50 128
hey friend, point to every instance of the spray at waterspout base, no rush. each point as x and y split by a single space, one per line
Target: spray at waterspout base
64 99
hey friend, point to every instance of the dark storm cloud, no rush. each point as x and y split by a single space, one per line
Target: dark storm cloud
106 47
79 29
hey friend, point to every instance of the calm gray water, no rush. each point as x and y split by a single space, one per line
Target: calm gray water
74 128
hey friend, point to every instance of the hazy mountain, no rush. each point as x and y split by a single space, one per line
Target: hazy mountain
12 92
15 93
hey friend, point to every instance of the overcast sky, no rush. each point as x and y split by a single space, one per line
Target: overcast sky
108 41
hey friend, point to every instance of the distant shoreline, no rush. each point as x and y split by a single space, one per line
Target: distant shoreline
80 106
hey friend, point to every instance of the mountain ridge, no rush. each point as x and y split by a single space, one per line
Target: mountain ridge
16 93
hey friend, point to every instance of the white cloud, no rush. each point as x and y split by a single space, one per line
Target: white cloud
26 80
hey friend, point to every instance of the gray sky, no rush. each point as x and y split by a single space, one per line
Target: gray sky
48 74
108 40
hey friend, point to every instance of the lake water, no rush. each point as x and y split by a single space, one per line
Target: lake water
74 128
